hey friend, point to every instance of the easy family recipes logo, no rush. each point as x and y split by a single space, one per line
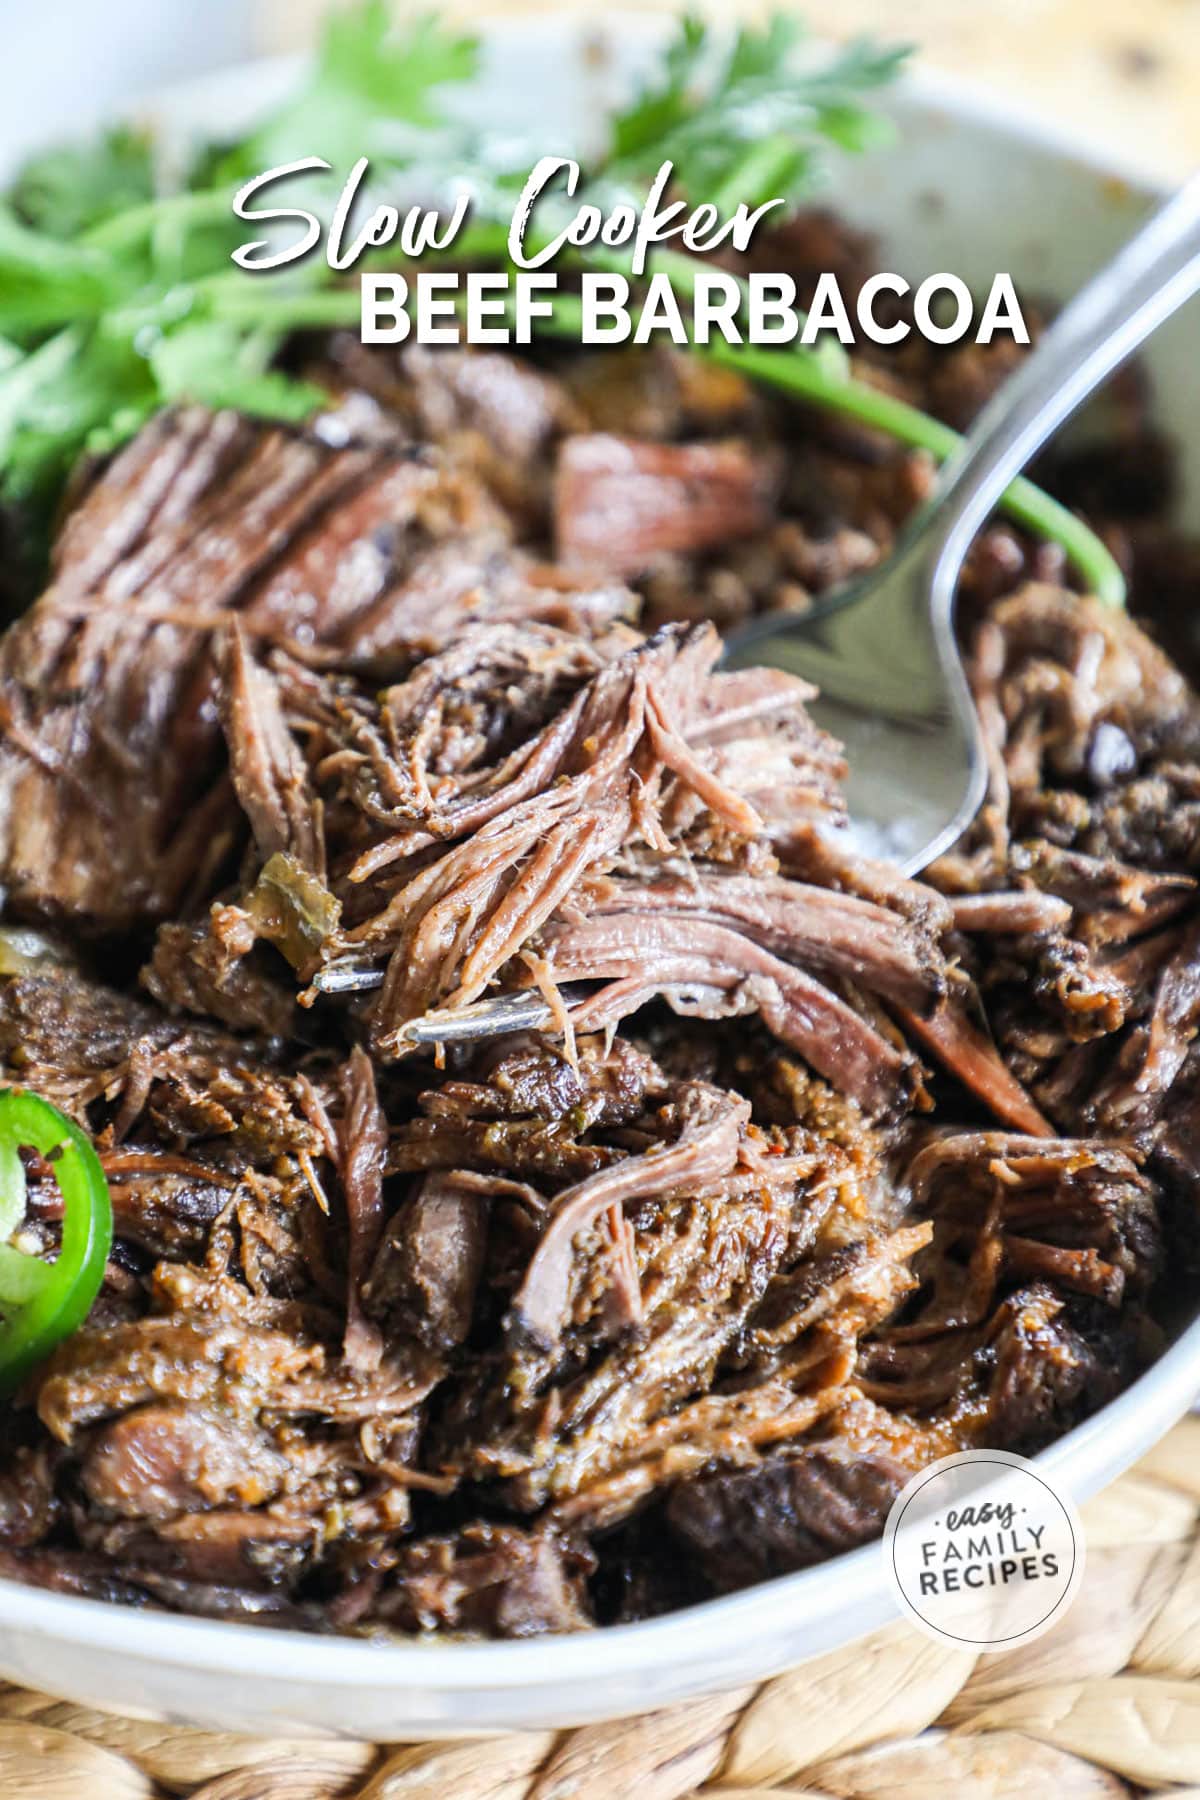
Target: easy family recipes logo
983 1549
983 1545
631 302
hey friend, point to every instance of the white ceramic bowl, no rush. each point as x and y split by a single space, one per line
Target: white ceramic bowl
974 188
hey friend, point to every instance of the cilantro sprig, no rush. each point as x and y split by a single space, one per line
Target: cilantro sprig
754 125
117 294
113 286
64 191
370 90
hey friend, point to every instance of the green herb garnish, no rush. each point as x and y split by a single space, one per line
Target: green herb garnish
367 80
112 291
65 191
754 126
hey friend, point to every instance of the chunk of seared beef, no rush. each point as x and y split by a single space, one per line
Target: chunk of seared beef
1083 1208
67 1571
1134 1093
1030 1309
512 831
713 971
205 970
620 504
521 1107
216 1392
362 1147
1083 717
497 415
112 804
1174 1159
97 1375
619 1340
159 1460
1048 1364
219 1452
29 1504
427 1269
120 1065
785 1512
643 1571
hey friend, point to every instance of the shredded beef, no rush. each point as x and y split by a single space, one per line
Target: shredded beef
495 1579
816 1172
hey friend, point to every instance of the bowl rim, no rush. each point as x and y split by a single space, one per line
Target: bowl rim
1082 1458
564 1660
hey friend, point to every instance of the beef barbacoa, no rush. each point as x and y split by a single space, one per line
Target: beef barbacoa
821 1173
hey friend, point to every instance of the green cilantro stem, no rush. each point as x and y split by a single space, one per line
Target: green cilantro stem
288 310
22 379
755 178
1028 504
208 206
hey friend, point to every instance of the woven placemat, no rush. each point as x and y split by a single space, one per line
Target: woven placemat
1106 1705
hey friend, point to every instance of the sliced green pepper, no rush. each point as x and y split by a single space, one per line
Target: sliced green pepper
43 1302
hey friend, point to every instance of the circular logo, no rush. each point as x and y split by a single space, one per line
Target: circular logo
983 1551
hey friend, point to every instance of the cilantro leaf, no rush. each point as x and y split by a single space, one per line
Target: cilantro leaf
111 294
64 191
54 401
214 363
366 78
45 283
715 109
394 75
660 108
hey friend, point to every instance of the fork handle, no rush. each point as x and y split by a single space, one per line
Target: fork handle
1158 269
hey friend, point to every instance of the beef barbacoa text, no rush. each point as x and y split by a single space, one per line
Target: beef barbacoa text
818 1173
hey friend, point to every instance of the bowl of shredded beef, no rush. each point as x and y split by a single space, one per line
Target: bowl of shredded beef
823 1173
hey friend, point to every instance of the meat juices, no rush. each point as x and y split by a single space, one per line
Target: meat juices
823 1174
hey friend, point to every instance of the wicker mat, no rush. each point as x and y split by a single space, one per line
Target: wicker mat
1106 1705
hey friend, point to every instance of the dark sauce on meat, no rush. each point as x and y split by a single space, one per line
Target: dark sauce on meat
830 1173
